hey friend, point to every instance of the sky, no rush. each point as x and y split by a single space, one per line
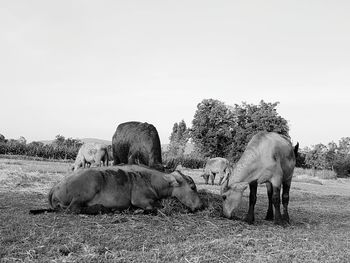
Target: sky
80 68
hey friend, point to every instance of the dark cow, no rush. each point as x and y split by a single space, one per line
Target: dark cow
269 158
106 189
137 143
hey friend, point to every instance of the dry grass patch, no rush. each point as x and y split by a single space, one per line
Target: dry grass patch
319 231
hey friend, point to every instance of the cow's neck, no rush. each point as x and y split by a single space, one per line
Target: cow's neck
163 185
245 168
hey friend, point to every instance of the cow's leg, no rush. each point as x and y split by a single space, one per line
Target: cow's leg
140 201
95 209
205 177
269 214
116 160
75 206
212 177
132 159
276 200
285 201
253 186
221 178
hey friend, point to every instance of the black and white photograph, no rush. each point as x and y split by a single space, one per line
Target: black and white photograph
190 131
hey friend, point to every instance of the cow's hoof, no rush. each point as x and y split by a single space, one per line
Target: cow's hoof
249 219
269 217
285 218
281 223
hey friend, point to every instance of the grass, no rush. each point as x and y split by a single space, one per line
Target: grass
320 174
319 230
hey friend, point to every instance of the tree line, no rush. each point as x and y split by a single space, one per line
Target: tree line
217 130
222 130
60 148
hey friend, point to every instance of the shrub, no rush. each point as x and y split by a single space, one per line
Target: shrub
342 167
186 161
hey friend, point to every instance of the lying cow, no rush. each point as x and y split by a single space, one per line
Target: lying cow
268 158
107 189
214 166
90 153
137 143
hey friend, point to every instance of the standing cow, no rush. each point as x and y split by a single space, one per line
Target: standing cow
268 158
90 153
217 165
137 143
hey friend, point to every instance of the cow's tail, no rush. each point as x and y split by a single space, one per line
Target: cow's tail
50 197
296 148
106 157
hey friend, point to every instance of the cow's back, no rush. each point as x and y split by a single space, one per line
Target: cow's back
137 139
93 152
266 149
216 165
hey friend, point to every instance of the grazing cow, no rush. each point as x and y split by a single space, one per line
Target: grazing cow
268 158
217 165
137 143
107 189
91 153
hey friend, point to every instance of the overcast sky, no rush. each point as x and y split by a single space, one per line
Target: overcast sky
79 68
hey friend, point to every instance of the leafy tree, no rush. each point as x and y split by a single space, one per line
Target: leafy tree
220 130
211 128
250 119
316 157
178 139
344 145
22 140
2 139
59 140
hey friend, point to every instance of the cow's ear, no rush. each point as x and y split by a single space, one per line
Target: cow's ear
177 178
174 182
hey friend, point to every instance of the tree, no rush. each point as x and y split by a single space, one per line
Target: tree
178 139
211 128
344 145
59 140
249 120
22 140
316 157
220 130
2 139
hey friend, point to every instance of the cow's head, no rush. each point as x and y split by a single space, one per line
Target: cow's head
206 178
232 197
76 166
185 190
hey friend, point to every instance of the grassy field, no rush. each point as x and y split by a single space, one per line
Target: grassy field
319 230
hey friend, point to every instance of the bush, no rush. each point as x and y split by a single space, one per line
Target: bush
186 161
342 167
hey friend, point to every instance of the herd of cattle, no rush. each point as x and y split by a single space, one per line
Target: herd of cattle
138 178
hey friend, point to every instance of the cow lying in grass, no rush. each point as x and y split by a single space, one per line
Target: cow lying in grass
107 189
269 158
